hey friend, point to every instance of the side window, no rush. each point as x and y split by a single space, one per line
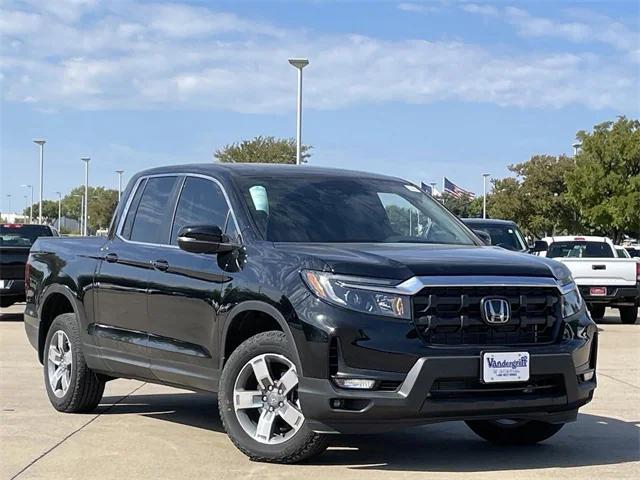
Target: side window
201 203
150 224
131 213
402 215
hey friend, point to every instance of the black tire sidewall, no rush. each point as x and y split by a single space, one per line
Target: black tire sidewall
67 323
268 342
629 315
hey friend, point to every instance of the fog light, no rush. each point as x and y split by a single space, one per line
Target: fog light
356 383
588 376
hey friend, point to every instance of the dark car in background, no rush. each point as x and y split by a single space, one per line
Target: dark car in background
15 241
503 233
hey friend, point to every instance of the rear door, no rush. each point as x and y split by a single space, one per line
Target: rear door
123 276
185 292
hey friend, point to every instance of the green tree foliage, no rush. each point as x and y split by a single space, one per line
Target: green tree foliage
262 150
102 204
464 206
604 186
539 202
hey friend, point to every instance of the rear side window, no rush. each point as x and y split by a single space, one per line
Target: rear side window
131 213
580 249
201 203
151 222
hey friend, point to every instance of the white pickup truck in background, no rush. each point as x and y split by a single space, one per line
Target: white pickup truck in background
604 279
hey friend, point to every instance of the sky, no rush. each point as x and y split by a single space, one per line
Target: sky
416 89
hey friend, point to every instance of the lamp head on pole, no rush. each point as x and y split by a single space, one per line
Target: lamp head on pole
40 142
299 63
85 159
119 172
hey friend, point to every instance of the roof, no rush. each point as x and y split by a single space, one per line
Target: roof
261 169
487 221
573 238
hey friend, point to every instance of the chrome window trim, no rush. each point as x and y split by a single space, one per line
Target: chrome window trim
414 285
172 174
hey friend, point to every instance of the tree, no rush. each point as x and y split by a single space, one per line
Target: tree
262 150
102 204
604 186
536 198
463 206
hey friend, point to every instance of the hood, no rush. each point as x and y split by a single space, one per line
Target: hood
402 261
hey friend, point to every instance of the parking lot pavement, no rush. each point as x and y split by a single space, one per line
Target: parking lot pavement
149 431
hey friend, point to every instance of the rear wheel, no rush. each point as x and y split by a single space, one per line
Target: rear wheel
597 311
6 302
514 432
71 386
259 404
628 315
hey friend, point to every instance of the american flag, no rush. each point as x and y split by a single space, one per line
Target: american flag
452 189
426 188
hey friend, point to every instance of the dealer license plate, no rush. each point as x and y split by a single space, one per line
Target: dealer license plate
1 283
598 291
505 367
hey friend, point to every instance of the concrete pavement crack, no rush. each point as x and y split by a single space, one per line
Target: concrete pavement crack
81 427
618 380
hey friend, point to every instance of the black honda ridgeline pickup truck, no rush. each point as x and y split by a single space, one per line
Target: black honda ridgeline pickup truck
313 301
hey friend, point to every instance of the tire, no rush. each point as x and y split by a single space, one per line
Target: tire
597 311
84 387
517 433
289 444
6 302
628 315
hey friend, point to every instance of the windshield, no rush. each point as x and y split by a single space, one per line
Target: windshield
580 249
505 236
338 209
16 235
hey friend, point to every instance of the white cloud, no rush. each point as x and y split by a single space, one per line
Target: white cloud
583 26
140 56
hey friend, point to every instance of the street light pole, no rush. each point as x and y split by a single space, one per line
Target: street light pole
31 205
299 64
59 208
576 146
86 194
9 197
26 204
81 212
41 143
119 172
484 194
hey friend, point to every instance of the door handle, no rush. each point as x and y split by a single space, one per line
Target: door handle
111 257
599 267
161 265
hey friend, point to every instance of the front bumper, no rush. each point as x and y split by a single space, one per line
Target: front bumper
417 401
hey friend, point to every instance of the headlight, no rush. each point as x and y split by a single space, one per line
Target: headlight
571 302
359 294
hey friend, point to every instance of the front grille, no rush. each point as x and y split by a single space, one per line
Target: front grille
451 316
463 388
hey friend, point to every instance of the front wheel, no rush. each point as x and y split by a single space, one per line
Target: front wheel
514 432
259 404
628 315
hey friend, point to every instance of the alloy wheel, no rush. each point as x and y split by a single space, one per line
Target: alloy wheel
59 363
265 399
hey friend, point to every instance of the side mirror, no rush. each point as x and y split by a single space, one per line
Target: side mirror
484 236
539 246
204 239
